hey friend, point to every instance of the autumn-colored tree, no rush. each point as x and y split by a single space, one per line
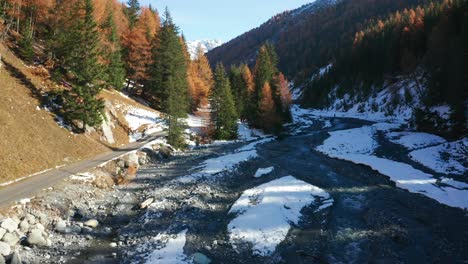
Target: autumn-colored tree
284 95
200 78
115 73
267 109
138 45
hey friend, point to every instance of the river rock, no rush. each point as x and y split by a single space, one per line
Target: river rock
24 226
146 203
43 219
35 238
93 223
61 226
9 224
2 259
131 159
104 181
30 218
10 238
75 229
199 258
38 226
4 249
15 258
2 232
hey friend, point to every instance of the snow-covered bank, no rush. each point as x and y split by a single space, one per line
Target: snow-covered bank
446 158
414 140
358 146
265 213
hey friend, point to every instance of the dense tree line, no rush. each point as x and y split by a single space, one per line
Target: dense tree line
90 45
422 42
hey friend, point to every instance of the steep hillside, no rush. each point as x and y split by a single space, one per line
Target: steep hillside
308 37
32 139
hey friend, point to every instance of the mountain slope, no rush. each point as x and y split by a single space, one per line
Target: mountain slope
32 139
308 37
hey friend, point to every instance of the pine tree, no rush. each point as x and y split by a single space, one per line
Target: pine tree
26 42
169 79
133 8
115 68
83 61
224 116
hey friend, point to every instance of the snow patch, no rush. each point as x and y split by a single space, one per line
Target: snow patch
142 122
85 177
171 250
265 213
223 163
263 171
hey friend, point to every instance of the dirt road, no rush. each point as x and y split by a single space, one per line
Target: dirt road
29 186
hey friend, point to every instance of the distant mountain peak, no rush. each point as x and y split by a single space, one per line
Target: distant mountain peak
206 45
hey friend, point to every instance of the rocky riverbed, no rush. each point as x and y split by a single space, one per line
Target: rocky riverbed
176 209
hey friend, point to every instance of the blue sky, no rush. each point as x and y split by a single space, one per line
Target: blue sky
221 19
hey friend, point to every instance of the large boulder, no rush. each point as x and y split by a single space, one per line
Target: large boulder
2 260
9 224
2 232
36 238
15 258
104 180
61 226
131 160
24 226
5 249
11 239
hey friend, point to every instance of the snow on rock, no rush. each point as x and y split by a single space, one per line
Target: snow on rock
446 158
171 250
224 163
142 122
414 140
358 145
265 213
247 134
263 171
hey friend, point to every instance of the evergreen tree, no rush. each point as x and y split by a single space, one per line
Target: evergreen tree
115 68
133 8
224 116
169 79
26 42
83 61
